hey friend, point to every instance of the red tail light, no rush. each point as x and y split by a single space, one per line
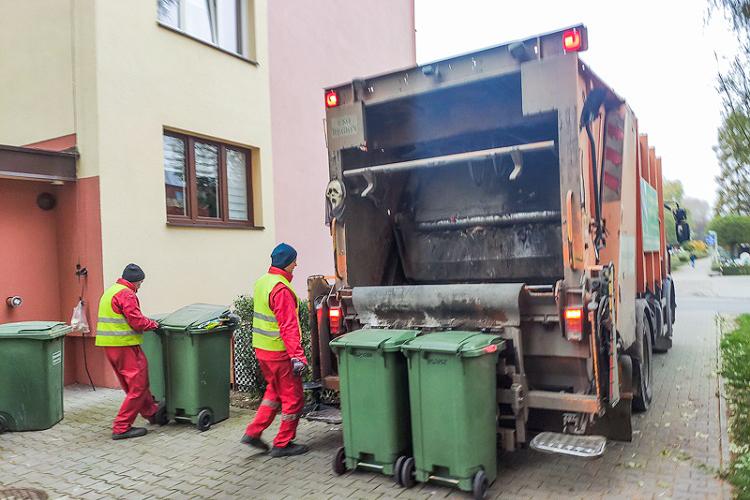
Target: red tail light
572 40
332 99
334 318
574 323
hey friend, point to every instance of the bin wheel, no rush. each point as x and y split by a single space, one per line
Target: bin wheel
339 463
479 490
205 419
407 473
3 425
397 470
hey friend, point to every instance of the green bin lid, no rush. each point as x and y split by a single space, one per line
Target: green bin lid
196 318
375 339
37 330
466 344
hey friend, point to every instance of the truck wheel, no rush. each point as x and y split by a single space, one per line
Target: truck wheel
339 461
3 425
642 367
480 486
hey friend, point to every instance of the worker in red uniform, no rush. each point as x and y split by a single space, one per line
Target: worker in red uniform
120 331
277 342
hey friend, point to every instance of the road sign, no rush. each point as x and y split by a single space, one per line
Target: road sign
710 239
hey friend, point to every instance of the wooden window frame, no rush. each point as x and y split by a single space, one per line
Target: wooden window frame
192 219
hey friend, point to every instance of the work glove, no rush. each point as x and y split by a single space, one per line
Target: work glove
299 368
232 319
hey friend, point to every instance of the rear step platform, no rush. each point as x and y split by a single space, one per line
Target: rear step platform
587 447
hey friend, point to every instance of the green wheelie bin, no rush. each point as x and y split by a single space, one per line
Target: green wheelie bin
453 401
374 400
153 348
197 350
31 356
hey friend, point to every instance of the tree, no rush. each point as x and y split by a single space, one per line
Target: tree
733 150
731 230
698 216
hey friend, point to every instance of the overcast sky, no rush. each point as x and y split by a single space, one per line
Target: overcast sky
659 55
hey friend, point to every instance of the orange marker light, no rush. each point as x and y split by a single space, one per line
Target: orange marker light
332 99
572 40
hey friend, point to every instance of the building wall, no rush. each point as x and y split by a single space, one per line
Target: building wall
314 45
37 71
148 78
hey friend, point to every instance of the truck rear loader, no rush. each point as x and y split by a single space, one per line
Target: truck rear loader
506 191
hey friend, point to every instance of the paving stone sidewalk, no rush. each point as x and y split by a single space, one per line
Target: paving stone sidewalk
673 455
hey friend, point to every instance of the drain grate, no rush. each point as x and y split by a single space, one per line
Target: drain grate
23 494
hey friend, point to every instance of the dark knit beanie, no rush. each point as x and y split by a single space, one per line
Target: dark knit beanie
133 273
283 255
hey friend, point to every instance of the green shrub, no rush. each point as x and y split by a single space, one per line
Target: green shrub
735 270
248 375
683 257
735 352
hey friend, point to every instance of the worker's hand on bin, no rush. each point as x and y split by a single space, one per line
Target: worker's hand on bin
298 367
233 319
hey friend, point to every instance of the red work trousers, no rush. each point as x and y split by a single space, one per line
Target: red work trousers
284 390
131 367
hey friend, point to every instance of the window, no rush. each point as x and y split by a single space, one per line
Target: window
218 22
206 182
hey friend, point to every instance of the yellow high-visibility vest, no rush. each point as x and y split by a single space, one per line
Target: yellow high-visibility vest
112 329
266 331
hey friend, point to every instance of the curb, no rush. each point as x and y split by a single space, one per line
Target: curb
724 454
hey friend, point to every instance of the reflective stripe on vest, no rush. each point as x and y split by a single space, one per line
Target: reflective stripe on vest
112 329
266 331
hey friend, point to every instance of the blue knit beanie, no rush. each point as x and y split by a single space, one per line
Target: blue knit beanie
283 255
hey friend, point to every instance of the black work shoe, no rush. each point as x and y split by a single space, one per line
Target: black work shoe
288 450
133 432
255 442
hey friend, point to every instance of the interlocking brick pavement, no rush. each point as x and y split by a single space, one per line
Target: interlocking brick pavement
675 447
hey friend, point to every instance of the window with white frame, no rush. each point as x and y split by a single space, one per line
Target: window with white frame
218 22
208 183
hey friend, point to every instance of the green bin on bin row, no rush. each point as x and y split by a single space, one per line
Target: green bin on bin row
31 370
196 347
154 349
374 399
452 388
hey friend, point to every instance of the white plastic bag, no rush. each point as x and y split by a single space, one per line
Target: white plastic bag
79 322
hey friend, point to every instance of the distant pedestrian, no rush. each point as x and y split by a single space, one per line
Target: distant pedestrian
278 346
120 331
692 259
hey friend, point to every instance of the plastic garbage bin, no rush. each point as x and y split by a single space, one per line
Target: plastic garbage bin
453 401
374 399
31 356
197 349
154 350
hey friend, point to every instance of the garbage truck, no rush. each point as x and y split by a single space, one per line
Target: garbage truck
510 192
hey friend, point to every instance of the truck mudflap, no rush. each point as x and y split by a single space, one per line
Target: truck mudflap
468 306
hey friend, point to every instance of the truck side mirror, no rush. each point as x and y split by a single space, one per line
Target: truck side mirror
683 231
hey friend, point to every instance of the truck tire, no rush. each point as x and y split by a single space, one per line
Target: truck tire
642 366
